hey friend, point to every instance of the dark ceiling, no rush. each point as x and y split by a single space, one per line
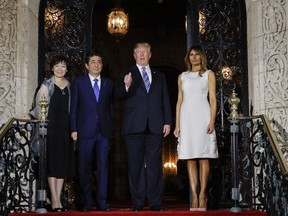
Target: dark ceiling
148 13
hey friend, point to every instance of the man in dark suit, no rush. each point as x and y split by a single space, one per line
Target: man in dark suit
146 119
91 125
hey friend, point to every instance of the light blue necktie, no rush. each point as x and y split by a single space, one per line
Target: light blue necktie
96 88
146 79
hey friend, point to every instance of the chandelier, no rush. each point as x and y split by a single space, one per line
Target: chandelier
118 22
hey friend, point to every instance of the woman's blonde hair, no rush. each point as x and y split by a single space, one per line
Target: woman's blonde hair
202 54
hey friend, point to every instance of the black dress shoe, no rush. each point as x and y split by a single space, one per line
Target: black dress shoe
137 208
156 208
105 209
86 209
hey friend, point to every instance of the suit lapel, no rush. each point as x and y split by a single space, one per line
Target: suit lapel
136 74
154 79
137 78
103 87
90 90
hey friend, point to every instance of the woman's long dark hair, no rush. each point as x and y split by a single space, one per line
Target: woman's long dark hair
200 50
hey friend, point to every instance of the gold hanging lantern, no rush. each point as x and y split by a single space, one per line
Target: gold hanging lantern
118 22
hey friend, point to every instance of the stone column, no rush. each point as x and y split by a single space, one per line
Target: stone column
18 57
267 52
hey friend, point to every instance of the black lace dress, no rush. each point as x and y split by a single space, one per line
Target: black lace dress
60 152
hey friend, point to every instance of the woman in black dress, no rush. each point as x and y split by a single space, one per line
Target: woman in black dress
60 152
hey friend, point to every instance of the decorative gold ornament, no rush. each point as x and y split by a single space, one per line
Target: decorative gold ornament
227 73
234 101
43 103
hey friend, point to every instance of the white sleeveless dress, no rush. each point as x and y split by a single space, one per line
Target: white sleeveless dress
194 142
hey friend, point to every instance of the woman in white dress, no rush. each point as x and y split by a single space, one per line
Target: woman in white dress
195 119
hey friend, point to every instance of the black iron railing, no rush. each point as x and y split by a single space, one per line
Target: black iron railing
20 149
258 166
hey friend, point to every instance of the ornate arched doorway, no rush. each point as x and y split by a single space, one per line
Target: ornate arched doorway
72 28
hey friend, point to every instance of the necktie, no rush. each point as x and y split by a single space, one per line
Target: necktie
96 89
146 79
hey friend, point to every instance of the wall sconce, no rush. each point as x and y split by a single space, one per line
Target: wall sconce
227 73
201 21
118 22
54 20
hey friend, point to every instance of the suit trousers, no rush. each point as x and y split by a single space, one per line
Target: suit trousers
144 155
93 152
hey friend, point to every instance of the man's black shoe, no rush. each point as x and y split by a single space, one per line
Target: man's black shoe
156 208
137 208
105 209
86 209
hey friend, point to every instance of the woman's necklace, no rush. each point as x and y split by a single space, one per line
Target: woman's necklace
60 84
63 91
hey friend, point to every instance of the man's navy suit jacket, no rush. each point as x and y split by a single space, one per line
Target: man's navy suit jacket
142 108
86 112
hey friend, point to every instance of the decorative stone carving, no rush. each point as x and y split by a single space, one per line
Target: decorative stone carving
275 60
7 58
